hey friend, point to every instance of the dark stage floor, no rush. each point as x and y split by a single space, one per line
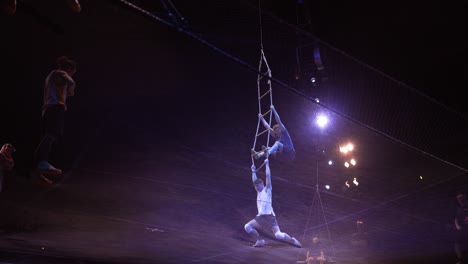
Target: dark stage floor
147 201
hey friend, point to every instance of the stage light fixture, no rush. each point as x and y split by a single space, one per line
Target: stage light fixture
318 59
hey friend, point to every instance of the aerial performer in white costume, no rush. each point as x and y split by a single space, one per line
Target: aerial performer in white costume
266 218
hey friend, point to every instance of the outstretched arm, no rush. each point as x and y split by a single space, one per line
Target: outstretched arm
277 117
268 174
254 173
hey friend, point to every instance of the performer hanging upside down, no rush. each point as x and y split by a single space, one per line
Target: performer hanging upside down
266 217
283 143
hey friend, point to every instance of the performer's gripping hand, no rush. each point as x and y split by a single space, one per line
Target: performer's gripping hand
254 169
266 161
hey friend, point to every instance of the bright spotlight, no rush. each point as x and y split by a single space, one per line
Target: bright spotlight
353 162
343 150
330 162
420 177
322 121
355 182
347 184
348 148
327 187
346 164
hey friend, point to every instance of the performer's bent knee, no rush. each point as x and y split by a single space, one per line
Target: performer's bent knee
280 146
248 228
280 235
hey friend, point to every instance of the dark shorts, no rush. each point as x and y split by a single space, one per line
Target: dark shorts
53 120
266 221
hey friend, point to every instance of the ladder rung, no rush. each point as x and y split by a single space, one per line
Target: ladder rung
263 164
267 92
263 132
266 113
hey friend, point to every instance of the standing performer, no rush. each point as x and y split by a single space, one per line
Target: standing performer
266 217
59 85
283 143
461 226
315 254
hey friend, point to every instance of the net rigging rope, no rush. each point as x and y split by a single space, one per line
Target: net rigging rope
284 85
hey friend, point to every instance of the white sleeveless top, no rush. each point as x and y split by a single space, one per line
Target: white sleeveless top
264 205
